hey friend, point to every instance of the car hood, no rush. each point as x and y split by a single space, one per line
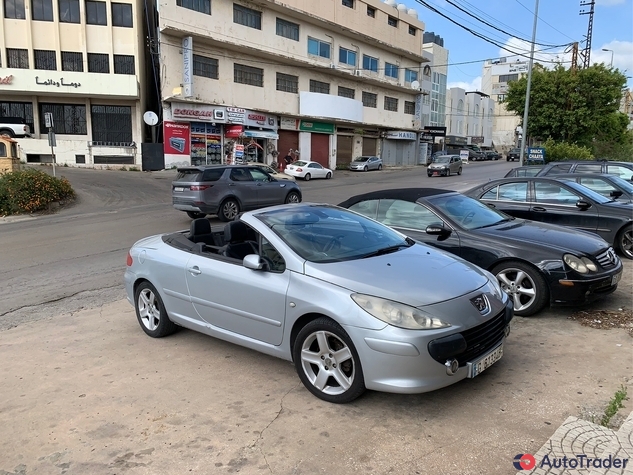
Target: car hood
438 165
527 233
620 207
416 276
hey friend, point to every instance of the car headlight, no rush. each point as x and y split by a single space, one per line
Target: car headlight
579 264
398 314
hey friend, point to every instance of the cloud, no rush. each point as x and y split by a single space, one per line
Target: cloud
609 3
474 85
548 57
622 55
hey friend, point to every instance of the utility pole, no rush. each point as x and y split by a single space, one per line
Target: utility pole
586 53
529 85
48 121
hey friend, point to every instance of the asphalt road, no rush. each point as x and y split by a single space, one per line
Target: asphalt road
75 258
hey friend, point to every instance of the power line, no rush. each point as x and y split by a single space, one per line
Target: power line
552 27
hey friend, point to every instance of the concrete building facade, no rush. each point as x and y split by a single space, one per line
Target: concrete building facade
82 62
329 80
469 118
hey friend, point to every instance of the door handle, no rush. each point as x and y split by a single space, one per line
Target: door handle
538 208
195 270
231 184
490 205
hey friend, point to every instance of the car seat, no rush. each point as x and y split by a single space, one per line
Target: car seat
241 240
200 231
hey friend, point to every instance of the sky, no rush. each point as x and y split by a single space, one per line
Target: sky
559 22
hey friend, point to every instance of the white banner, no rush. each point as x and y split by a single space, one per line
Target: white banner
187 66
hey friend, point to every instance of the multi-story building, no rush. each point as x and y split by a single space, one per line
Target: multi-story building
329 80
438 72
82 62
469 118
495 78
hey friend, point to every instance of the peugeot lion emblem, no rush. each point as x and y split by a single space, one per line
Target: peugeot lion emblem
481 303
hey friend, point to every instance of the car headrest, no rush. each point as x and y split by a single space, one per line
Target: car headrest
200 227
237 231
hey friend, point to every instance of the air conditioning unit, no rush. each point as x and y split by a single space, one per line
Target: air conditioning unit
332 66
218 114
358 72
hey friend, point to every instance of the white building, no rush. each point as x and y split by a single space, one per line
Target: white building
330 80
83 62
469 119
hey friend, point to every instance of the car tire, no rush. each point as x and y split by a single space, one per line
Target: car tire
195 214
379 167
507 159
229 209
459 171
151 313
624 241
328 176
307 177
293 197
8 132
324 355
524 284
365 168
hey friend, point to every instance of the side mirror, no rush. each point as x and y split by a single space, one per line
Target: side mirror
437 229
616 193
254 262
583 205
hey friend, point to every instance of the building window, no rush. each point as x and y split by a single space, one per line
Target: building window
42 10
347 56
348 3
22 110
392 21
371 11
14 9
412 30
287 83
98 63
370 99
391 104
409 107
247 16
508 77
205 67
124 64
69 11
248 75
320 87
111 124
319 48
45 59
202 6
17 58
346 92
122 15
410 75
72 61
96 13
501 97
391 70
69 119
80 159
370 63
287 29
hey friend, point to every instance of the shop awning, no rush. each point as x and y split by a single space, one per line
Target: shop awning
261 134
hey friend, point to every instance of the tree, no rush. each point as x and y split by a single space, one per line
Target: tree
572 106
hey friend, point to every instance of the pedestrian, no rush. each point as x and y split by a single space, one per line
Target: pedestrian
287 159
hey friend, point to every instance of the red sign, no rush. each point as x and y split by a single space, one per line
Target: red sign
257 117
6 80
233 131
177 138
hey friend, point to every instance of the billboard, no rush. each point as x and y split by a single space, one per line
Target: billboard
177 138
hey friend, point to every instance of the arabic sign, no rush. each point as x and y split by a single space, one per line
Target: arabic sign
317 127
235 115
53 82
187 66
6 80
177 138
287 123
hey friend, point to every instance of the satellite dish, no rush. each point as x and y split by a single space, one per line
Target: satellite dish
415 85
150 118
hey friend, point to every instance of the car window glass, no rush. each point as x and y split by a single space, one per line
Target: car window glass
621 171
405 214
623 184
491 194
366 208
314 165
598 185
189 175
589 168
465 211
240 174
554 194
274 259
259 175
513 191
3 150
559 169
212 174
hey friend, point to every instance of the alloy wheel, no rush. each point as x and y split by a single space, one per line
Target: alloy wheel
519 286
327 362
148 309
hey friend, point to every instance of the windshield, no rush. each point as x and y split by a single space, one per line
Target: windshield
597 197
361 159
443 159
622 183
320 233
467 212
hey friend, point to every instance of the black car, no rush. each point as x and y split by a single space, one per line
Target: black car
609 186
492 155
527 170
563 202
622 169
513 154
535 263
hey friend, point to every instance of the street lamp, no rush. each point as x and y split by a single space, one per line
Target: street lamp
605 49
529 85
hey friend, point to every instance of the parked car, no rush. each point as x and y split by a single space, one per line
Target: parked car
14 127
475 153
445 165
513 249
563 202
227 190
308 170
366 163
610 186
272 172
492 155
622 169
513 154
354 304
526 170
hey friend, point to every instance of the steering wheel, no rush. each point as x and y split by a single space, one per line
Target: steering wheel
269 264
468 218
333 243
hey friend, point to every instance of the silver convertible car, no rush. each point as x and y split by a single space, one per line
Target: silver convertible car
353 303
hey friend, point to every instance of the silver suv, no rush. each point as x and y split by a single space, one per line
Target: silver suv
227 190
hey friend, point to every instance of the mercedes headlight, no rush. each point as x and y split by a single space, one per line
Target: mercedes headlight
579 264
398 314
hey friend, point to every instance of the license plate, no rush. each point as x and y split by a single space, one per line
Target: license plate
482 364
616 278
179 188
436 174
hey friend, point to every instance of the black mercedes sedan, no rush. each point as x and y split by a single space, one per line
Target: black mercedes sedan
535 263
563 202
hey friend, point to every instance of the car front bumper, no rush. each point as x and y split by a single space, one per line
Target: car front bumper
577 291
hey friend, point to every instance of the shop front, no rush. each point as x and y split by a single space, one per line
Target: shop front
320 134
399 148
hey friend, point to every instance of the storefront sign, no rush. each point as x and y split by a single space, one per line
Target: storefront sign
400 135
6 80
177 138
239 150
434 131
235 115
187 66
55 83
454 140
262 120
317 127
287 123
536 154
477 139
233 131
197 112
262 134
